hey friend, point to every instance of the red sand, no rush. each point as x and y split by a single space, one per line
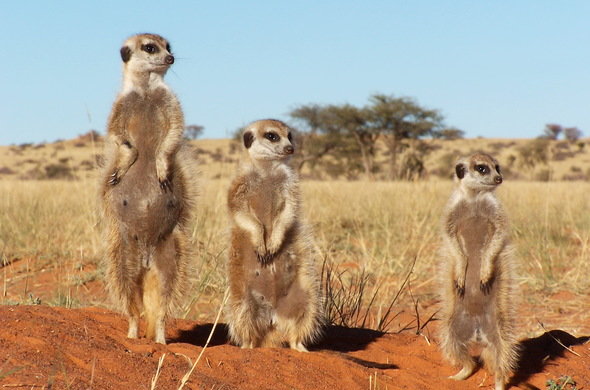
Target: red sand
45 347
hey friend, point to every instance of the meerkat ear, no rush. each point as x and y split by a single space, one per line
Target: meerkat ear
460 170
125 53
248 139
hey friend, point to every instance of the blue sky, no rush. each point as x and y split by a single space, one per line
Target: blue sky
493 68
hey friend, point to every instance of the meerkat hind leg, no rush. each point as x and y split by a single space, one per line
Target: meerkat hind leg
298 346
133 325
133 313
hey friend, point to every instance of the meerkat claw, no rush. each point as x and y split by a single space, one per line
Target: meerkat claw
165 185
460 289
114 178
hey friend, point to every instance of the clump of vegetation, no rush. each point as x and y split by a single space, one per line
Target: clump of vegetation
564 382
58 171
351 298
533 153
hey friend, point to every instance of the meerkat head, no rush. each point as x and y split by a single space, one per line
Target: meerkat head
268 139
479 171
147 53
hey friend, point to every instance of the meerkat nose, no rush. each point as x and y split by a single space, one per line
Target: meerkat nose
169 59
498 179
288 149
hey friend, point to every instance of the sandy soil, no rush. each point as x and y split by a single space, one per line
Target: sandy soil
59 348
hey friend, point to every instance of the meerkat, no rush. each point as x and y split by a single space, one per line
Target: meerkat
147 189
274 289
477 278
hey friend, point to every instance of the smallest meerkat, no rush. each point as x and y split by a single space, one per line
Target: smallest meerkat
477 275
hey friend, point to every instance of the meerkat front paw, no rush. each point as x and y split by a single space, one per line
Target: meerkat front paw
114 178
460 287
485 284
273 246
264 255
163 174
486 277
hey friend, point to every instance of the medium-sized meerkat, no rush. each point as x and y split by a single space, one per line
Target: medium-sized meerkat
147 189
477 276
275 296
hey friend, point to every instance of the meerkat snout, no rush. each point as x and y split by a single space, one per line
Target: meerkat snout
169 59
289 149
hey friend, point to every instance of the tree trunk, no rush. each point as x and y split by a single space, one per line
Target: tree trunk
366 157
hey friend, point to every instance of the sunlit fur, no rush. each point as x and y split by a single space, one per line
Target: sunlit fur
478 296
275 294
147 191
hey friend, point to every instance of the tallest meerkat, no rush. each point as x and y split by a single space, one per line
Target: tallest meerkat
147 189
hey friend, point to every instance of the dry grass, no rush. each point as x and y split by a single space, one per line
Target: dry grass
374 230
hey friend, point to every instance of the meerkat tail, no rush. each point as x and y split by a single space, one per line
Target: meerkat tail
154 307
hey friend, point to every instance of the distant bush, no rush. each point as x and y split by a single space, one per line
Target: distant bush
58 171
560 156
544 175
534 152
87 165
6 171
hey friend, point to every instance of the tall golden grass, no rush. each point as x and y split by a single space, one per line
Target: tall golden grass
377 227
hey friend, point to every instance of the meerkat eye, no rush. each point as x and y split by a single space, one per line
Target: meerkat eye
149 48
272 136
483 169
498 168
290 137
168 48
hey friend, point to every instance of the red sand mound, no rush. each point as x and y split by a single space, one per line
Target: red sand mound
56 348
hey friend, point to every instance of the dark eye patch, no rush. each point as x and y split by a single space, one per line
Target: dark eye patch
272 136
290 137
483 169
168 48
498 168
150 48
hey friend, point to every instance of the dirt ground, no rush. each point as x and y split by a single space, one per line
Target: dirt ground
52 347
44 347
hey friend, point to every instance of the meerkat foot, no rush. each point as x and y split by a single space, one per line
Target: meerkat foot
133 327
160 337
499 383
465 372
298 346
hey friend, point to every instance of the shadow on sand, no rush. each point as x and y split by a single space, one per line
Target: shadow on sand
538 352
336 339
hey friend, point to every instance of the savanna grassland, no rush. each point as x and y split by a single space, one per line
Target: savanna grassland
370 230
377 240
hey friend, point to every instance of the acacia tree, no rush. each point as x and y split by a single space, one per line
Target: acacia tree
352 121
193 131
572 134
552 131
401 119
313 140
349 134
